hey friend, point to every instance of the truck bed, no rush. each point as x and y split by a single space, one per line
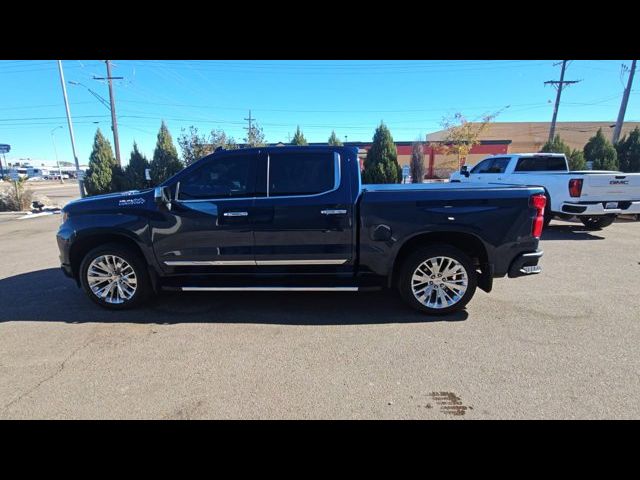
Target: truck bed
498 216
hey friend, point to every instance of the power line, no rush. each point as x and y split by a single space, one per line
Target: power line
328 69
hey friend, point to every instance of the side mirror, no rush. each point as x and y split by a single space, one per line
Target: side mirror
162 197
464 170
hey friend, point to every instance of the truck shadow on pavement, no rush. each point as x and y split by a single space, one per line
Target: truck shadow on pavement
569 232
48 296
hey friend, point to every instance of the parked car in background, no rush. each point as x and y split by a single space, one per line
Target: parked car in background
298 219
596 197
56 176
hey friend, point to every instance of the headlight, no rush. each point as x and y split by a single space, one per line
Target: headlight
65 217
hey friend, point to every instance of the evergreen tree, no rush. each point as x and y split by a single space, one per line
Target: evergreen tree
600 151
416 166
298 138
628 150
576 160
334 140
381 163
165 161
574 157
134 172
556 146
119 180
101 165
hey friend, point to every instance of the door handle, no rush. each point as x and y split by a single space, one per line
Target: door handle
333 212
236 214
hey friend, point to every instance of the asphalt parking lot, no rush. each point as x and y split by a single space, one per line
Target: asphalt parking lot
563 344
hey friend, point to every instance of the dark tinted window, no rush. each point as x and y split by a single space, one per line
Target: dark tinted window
219 178
499 165
301 174
483 166
541 164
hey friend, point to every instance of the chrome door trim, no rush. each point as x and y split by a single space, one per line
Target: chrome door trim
201 263
270 289
302 262
268 172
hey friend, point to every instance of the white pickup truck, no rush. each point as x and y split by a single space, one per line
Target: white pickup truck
596 197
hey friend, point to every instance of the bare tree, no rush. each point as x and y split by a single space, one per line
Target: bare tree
461 135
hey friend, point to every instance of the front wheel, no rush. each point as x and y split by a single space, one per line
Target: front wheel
114 277
437 280
597 222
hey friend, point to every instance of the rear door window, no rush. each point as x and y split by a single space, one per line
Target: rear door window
301 173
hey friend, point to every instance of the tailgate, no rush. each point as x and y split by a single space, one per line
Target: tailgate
611 186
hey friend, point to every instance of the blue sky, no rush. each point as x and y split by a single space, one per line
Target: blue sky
352 97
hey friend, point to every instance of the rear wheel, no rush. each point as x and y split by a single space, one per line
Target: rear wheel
114 277
438 279
596 222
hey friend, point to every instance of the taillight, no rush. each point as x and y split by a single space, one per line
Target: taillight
575 187
538 202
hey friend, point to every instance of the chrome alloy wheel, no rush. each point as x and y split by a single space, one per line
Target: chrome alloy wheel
112 279
439 282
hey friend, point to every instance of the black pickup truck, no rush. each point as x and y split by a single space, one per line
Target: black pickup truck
299 219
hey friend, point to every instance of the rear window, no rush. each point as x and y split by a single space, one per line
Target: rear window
301 173
541 164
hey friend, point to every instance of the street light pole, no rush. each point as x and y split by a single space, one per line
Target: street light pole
73 141
55 150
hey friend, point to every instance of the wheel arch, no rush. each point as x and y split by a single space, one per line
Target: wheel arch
85 244
464 241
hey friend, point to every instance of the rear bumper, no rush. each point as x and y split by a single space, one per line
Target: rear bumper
598 208
525 264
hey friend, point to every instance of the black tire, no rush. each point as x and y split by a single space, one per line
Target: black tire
133 259
597 222
414 260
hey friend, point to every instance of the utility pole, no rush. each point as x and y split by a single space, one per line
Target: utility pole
53 139
114 122
623 105
250 129
73 141
559 85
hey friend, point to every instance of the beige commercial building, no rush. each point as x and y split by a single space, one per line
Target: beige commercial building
531 136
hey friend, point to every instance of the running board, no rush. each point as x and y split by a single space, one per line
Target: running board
270 289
